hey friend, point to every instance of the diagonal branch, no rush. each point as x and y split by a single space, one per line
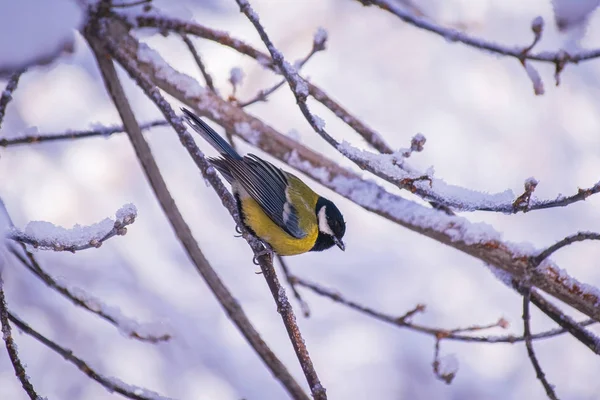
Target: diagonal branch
207 78
110 384
529 345
182 230
6 97
11 347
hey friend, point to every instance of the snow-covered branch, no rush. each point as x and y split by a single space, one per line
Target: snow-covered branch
476 239
152 333
434 190
47 236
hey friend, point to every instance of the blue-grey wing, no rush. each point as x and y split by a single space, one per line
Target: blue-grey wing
267 185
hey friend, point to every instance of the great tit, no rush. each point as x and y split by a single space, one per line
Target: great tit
274 205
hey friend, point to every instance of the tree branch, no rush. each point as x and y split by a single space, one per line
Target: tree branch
452 35
105 132
529 345
450 334
13 82
11 347
110 384
46 236
578 237
179 225
126 325
207 78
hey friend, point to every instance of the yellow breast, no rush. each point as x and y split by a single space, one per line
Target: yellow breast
282 243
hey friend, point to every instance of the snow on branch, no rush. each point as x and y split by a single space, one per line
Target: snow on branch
47 236
110 384
152 333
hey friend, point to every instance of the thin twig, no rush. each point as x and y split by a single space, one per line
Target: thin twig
530 352
290 280
11 347
578 237
6 97
132 4
182 230
452 35
110 384
207 78
450 334
263 94
105 132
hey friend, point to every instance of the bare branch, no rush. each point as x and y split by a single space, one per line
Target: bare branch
105 132
292 282
207 78
6 97
11 347
182 230
530 352
45 236
110 384
578 237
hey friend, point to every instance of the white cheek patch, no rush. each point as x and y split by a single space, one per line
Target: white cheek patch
323 224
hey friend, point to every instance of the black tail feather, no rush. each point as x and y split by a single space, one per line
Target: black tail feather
209 134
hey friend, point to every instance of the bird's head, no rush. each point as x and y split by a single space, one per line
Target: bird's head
332 226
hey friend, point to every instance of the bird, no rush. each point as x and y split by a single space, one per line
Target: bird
274 205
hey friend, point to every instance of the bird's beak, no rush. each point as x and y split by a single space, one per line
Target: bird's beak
339 243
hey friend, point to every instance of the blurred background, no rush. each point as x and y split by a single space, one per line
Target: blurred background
485 129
